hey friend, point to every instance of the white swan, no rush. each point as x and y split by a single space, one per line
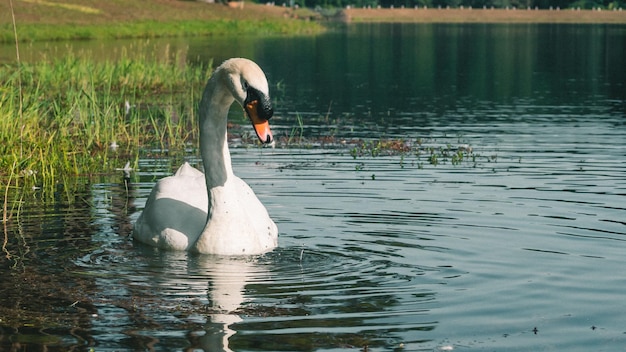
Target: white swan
228 219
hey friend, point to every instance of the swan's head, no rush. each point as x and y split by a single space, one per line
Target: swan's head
249 87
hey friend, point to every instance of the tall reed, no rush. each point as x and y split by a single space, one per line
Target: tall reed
63 116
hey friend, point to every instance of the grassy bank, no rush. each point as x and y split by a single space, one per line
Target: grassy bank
74 116
468 15
154 29
89 19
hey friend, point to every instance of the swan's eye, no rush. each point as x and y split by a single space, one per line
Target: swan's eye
245 85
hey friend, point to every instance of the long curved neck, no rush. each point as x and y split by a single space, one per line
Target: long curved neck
213 114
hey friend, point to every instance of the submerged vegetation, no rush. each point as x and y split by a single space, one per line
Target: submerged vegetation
433 153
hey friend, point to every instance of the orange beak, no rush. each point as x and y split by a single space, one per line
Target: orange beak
261 126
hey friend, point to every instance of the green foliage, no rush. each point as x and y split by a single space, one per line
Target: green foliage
60 117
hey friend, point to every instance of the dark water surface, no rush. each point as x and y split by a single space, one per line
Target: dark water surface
519 247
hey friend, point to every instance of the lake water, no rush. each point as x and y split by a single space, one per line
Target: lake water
518 247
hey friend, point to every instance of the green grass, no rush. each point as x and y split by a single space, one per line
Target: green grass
61 116
155 29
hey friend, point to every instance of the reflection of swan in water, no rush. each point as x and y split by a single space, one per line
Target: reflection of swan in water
203 293
228 219
225 296
228 278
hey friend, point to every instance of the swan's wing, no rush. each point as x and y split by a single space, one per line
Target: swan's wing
176 211
187 170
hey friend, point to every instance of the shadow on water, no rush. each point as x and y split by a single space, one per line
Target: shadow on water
44 300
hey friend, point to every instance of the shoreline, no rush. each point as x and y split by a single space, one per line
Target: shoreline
48 21
469 15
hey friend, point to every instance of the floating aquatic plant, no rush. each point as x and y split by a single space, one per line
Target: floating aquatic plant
434 153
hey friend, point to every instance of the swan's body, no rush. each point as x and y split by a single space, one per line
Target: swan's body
215 212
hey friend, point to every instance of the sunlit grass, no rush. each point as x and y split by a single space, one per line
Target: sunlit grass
156 29
77 116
